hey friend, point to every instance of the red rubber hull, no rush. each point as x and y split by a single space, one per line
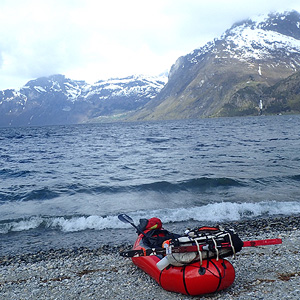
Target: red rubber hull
190 279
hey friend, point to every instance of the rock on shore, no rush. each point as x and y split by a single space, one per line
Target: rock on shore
270 272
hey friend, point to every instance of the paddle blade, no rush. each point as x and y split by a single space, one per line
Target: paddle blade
262 242
125 219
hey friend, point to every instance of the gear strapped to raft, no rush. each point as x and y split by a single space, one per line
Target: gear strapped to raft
197 244
215 242
209 242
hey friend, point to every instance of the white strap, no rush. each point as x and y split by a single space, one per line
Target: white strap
231 244
200 253
216 248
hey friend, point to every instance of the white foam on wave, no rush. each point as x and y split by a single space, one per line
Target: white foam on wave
21 225
83 223
217 212
63 223
227 211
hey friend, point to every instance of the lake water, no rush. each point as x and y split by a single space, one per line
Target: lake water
63 186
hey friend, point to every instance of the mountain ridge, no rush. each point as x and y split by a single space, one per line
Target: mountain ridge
59 100
254 61
205 82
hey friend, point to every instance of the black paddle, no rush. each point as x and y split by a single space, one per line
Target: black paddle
126 219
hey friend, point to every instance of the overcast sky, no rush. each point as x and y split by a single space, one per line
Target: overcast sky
94 39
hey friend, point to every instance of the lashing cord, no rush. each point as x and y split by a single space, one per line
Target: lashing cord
216 248
199 251
232 246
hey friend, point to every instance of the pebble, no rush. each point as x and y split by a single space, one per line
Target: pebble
269 272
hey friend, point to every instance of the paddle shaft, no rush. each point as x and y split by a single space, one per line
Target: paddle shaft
205 247
262 242
145 252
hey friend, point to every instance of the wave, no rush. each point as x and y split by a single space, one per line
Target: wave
157 139
44 193
217 212
295 177
202 183
50 192
8 173
64 224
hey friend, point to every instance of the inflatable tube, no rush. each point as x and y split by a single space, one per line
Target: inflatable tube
191 279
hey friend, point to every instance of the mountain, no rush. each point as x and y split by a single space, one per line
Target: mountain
231 74
283 96
60 100
255 61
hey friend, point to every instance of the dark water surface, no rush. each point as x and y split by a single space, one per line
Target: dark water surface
65 185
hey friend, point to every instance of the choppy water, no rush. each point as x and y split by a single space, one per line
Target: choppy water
65 185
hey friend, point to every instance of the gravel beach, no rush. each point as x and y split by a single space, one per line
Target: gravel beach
269 272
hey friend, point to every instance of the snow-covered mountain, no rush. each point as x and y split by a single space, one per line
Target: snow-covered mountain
255 61
274 37
229 75
60 100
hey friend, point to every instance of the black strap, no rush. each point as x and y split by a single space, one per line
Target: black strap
160 276
220 275
184 283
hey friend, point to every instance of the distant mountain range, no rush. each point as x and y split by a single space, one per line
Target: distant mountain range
255 61
60 100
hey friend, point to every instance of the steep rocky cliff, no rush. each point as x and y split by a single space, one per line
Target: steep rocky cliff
230 75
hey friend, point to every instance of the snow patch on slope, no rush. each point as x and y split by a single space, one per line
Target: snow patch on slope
246 43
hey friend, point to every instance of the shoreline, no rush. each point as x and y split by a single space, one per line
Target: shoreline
269 272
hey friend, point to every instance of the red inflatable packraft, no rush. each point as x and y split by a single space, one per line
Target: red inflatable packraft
191 279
